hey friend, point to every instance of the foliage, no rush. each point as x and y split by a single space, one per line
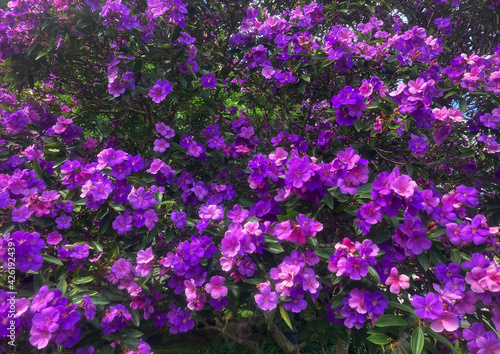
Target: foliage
291 175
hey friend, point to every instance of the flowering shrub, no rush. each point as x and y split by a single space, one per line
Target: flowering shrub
167 165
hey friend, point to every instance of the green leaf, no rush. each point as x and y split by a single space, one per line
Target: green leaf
274 248
466 153
401 306
381 339
456 256
51 259
423 259
374 274
417 341
436 256
329 200
135 317
83 280
439 338
324 253
463 104
97 246
62 285
409 169
133 333
390 320
313 242
286 318
270 318
270 239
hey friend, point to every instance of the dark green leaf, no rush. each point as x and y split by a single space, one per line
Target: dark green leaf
84 280
417 341
380 339
390 320
274 248
325 252
51 259
286 318
423 259
439 338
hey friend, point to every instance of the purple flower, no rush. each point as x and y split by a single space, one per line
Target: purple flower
295 305
40 336
160 90
115 319
428 308
49 317
404 186
216 287
122 224
161 145
21 214
164 130
179 218
121 269
298 172
375 302
54 238
63 222
267 299
185 38
208 81
89 307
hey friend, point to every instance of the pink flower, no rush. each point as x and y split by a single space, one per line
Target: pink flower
447 321
397 281
216 287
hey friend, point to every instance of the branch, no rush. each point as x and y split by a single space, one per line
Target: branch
283 342
248 344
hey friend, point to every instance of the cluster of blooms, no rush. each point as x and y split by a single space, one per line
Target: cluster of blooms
297 232
294 278
141 199
123 272
179 321
187 272
479 340
25 247
74 256
452 301
472 72
160 145
484 275
213 194
390 191
245 141
214 137
353 259
239 241
65 128
115 318
23 186
310 180
193 148
361 305
119 81
53 320
274 28
22 317
350 104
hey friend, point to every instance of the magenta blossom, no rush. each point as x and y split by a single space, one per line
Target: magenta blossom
397 282
216 287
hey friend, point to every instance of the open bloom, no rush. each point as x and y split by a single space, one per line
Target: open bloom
216 287
397 282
